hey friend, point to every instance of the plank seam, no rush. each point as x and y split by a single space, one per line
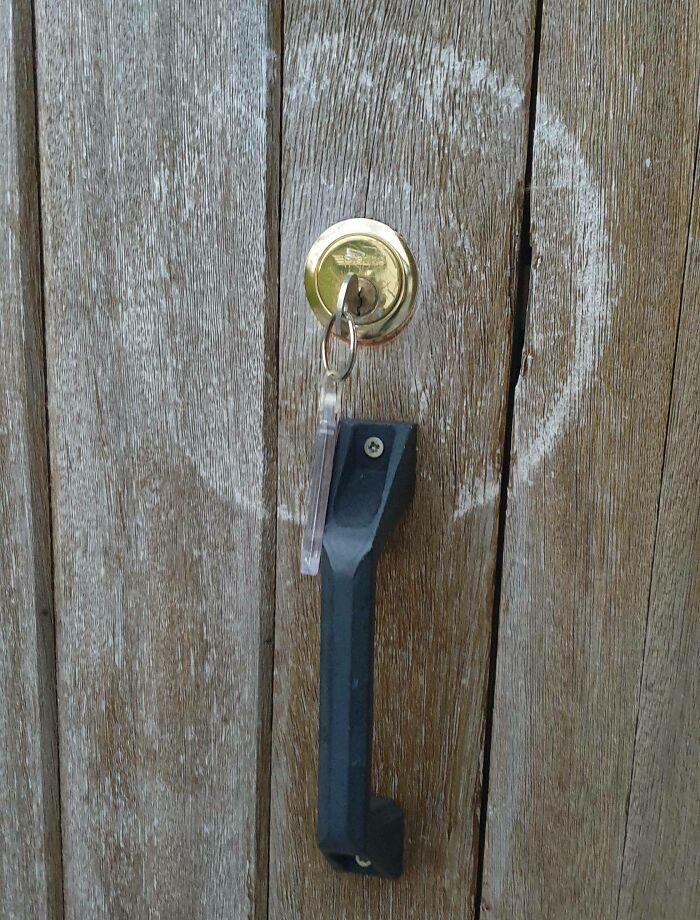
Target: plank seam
267 645
658 513
59 870
521 288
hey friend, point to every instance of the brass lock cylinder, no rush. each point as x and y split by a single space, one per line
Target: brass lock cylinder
386 271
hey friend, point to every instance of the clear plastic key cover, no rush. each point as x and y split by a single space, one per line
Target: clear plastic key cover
320 475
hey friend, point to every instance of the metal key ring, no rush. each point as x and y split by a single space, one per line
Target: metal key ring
325 348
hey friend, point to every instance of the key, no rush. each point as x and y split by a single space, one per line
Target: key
327 429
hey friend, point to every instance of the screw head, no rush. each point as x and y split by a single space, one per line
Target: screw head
374 447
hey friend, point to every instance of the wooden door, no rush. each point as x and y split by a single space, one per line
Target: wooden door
167 167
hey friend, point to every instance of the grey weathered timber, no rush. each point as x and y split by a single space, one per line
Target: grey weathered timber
661 865
159 146
593 806
416 115
30 860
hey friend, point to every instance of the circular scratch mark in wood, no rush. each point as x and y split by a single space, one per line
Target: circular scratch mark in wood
592 269
592 273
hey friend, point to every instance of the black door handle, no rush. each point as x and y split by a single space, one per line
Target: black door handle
373 482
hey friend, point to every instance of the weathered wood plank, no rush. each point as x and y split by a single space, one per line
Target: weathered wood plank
661 868
30 859
159 146
614 154
415 115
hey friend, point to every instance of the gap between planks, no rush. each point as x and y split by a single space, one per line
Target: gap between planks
51 653
267 646
521 288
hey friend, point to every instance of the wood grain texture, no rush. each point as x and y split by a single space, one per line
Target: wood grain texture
661 867
159 147
614 154
416 115
30 859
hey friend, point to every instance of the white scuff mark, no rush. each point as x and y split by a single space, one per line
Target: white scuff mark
511 94
593 279
218 474
505 91
593 275
253 507
160 183
477 74
647 162
365 80
291 515
475 495
450 73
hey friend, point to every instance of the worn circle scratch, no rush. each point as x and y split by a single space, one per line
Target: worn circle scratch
591 276
591 279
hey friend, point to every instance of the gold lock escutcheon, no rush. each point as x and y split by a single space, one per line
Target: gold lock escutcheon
387 277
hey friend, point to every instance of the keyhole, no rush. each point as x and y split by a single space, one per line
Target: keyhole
366 297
